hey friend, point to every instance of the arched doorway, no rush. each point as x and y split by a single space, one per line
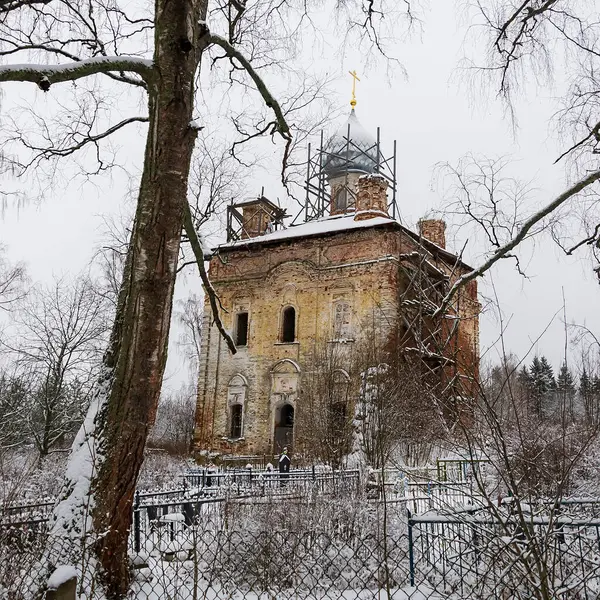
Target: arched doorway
284 428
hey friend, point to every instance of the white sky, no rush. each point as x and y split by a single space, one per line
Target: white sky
432 117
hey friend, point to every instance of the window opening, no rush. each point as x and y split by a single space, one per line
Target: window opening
287 416
236 421
341 200
241 329
288 330
338 416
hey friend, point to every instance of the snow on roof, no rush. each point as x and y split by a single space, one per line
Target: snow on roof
332 224
312 228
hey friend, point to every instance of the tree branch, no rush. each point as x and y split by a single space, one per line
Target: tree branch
281 124
9 5
45 75
504 251
89 139
192 234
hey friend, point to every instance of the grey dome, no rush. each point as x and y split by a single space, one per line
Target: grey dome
358 156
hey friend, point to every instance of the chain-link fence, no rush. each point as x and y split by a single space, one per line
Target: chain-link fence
305 544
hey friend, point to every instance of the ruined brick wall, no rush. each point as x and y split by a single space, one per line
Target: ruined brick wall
313 275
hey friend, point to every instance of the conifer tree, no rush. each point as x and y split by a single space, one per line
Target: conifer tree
587 398
565 391
542 385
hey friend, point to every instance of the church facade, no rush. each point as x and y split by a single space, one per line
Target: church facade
349 275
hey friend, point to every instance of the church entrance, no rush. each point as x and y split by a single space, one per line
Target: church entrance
284 428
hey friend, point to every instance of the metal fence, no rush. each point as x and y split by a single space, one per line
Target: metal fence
293 543
476 556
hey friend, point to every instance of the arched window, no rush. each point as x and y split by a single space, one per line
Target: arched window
341 320
236 400
236 421
288 325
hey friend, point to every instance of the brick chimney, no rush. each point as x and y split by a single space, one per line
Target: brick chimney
433 230
371 197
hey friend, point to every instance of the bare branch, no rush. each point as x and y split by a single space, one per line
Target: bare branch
89 139
46 75
209 289
281 125
9 5
505 250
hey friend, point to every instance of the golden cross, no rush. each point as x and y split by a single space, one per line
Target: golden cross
354 80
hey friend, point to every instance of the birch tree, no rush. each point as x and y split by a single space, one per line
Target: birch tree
157 53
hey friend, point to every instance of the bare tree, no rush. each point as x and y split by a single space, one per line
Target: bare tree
190 318
12 279
328 393
75 41
526 41
174 427
59 335
530 469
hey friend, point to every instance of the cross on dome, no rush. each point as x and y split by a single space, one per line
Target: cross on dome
355 78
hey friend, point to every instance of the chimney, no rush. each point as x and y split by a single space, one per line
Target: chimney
371 197
433 230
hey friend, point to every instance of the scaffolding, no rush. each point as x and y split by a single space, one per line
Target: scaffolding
253 217
317 200
428 335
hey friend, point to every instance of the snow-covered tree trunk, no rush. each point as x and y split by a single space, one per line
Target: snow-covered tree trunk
108 453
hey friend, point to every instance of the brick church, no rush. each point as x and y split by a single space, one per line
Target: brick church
348 269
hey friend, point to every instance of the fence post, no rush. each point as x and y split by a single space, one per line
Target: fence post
65 590
136 522
411 550
314 476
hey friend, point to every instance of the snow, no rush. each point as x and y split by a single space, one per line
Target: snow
173 517
61 575
312 228
71 526
72 66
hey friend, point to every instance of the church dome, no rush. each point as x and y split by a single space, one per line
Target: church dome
357 156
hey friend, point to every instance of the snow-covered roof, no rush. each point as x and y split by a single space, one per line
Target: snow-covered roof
357 155
333 224
312 228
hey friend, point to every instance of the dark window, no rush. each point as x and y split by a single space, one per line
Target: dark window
337 413
287 416
241 329
236 421
288 329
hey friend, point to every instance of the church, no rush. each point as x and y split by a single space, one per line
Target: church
314 304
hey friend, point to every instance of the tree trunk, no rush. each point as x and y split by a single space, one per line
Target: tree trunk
138 349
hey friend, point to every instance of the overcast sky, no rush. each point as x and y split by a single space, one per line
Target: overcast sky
433 115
